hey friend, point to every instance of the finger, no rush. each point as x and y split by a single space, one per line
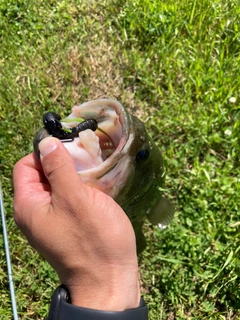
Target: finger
27 175
30 188
59 168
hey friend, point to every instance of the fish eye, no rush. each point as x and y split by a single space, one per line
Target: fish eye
142 155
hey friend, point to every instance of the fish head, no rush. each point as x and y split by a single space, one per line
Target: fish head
144 164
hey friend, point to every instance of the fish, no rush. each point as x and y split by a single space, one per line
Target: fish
116 156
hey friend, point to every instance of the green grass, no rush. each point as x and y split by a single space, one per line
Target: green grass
174 64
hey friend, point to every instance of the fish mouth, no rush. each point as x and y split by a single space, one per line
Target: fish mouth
100 157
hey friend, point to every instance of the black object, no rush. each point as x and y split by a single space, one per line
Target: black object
62 309
52 124
142 155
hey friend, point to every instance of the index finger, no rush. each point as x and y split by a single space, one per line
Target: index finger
28 176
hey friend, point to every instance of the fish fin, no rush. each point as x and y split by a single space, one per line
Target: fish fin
162 214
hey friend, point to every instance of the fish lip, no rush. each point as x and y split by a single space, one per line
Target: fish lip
40 135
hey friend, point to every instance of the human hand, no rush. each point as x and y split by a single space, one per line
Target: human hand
83 233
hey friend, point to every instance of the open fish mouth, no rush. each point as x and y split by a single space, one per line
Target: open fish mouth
110 136
99 155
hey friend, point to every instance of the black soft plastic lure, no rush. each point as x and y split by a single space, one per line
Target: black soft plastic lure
52 124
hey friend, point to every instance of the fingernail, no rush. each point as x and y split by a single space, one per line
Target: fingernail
47 146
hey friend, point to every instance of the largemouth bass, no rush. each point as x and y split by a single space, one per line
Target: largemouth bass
113 152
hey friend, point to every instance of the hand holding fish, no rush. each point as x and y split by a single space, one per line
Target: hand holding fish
113 153
81 231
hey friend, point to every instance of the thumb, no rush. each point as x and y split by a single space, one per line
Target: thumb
58 167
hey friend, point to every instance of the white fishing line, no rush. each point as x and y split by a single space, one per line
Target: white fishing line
9 268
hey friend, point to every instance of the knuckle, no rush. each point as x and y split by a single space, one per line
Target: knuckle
18 216
16 167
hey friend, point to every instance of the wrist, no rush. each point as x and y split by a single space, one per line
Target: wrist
62 309
115 289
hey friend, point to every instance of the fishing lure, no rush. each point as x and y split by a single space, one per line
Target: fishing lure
52 124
